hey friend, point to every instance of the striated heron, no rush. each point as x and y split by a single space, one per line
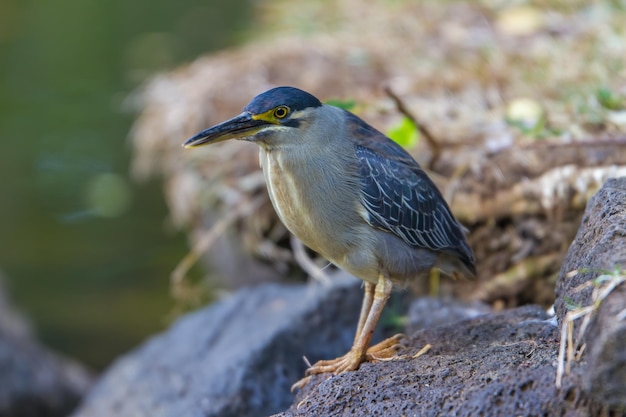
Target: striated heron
354 196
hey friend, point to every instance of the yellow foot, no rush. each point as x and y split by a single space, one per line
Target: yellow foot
384 350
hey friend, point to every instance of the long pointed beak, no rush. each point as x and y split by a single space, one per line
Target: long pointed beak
236 128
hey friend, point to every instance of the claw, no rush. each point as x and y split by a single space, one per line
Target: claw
300 384
387 349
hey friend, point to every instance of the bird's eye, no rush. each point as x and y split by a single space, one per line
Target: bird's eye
281 112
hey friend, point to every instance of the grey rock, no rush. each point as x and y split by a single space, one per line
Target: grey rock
12 323
426 312
600 244
34 382
237 357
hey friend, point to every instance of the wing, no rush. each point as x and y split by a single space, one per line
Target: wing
400 198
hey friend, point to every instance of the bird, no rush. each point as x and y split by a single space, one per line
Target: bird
355 197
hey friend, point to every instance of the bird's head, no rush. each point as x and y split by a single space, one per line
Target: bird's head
272 118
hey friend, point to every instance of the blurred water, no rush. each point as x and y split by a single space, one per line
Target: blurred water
87 252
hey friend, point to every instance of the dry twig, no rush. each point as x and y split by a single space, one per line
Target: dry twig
177 278
306 263
434 145
603 285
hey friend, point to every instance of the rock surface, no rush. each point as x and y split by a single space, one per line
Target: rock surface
426 312
600 245
499 364
237 357
34 382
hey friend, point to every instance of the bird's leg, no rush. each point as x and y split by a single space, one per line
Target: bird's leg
360 352
366 306
387 347
433 282
374 301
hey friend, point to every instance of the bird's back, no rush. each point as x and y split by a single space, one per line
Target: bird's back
402 200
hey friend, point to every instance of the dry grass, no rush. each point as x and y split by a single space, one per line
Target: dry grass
475 58
603 285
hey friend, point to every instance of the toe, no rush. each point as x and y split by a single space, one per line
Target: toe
301 383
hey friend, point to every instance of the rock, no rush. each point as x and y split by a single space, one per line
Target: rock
237 357
498 364
426 312
34 382
600 245
12 323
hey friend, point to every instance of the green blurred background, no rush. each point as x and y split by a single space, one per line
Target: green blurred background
87 252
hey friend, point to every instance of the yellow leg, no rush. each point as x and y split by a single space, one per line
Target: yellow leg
435 279
356 355
374 301
368 299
